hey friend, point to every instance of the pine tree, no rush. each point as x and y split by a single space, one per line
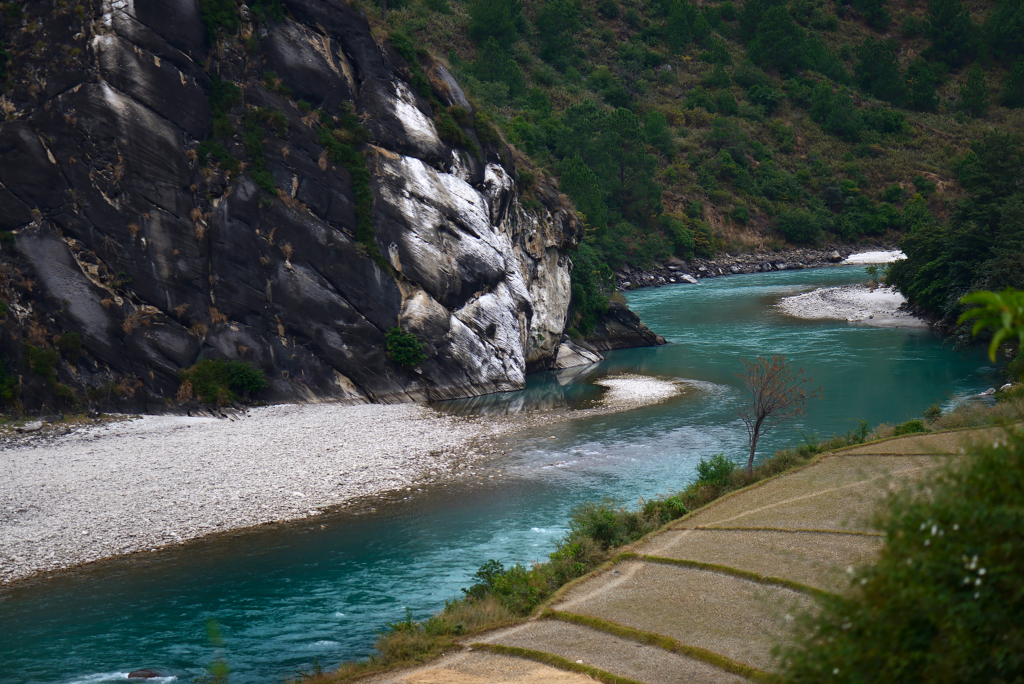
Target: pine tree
922 82
497 19
974 91
878 72
952 33
1013 88
582 185
779 42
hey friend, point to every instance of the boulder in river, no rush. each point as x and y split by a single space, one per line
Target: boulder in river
144 674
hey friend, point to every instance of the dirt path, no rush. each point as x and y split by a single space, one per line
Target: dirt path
705 600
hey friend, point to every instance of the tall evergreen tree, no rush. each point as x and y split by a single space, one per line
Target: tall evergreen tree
1013 88
557 24
779 42
974 91
878 72
874 13
629 171
1004 29
951 31
582 185
922 82
753 14
497 19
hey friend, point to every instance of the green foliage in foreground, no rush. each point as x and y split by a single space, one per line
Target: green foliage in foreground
405 348
222 382
944 602
1003 311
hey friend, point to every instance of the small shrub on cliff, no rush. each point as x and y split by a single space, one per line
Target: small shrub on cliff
219 15
267 11
8 385
405 348
70 346
221 382
5 57
41 361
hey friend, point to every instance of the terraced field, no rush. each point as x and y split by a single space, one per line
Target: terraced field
705 600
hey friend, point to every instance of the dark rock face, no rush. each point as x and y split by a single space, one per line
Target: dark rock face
125 238
620 328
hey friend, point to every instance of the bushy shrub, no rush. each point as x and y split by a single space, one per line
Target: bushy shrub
70 346
715 471
943 602
799 226
42 361
222 382
8 385
910 427
932 413
218 16
405 348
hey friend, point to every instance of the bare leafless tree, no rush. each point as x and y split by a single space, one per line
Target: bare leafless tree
777 394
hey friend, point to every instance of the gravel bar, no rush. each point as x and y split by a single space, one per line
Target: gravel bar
880 306
141 484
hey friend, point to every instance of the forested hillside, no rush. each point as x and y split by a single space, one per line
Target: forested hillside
687 129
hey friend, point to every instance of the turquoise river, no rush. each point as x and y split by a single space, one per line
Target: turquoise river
287 596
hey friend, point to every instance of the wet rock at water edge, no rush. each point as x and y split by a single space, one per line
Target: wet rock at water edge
144 674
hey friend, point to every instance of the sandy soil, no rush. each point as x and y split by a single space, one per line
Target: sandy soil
140 484
854 303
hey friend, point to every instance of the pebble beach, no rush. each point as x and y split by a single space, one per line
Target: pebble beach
143 483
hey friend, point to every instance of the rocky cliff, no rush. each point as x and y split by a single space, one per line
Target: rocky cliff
279 188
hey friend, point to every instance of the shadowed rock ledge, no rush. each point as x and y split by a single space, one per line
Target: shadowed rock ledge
125 238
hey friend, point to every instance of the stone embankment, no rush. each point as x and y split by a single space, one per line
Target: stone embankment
678 271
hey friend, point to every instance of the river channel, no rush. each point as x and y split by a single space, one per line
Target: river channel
287 596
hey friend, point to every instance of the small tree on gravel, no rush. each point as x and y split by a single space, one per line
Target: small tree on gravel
777 394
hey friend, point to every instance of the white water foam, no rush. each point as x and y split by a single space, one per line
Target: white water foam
102 677
875 257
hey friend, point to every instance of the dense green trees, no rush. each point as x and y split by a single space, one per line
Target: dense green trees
953 35
982 245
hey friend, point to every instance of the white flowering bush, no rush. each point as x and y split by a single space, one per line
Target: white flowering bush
945 601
